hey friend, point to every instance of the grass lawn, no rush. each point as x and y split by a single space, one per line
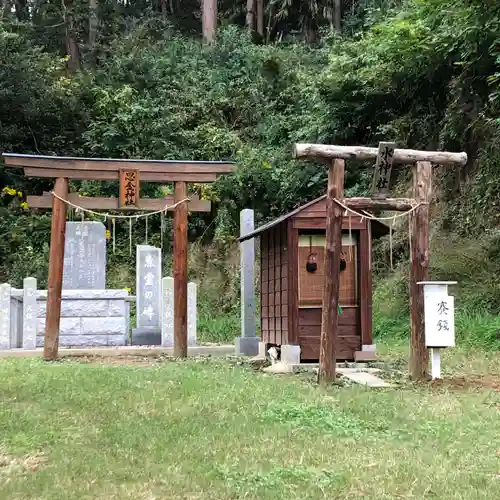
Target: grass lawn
219 430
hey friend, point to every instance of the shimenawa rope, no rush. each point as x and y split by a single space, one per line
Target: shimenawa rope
367 215
135 216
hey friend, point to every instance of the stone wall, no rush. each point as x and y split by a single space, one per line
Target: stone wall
88 318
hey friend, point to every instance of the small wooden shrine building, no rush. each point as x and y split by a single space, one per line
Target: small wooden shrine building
292 280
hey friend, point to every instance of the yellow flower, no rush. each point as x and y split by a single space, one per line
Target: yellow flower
20 194
24 205
127 289
9 191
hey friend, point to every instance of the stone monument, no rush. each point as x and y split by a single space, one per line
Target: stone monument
167 310
148 296
84 256
30 313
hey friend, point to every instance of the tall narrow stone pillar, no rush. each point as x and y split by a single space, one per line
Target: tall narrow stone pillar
248 343
5 340
30 313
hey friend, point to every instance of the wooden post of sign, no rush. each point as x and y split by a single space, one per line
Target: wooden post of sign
180 271
333 249
422 188
56 264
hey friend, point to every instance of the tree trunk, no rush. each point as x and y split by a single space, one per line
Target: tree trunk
5 9
73 52
209 20
270 27
72 49
93 21
337 15
260 18
250 15
22 12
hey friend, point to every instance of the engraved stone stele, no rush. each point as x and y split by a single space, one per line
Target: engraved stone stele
192 311
167 317
148 296
84 256
167 324
30 313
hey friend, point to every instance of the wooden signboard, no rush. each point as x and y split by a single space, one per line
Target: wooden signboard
129 188
383 169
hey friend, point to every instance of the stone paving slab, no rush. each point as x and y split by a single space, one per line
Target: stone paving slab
366 378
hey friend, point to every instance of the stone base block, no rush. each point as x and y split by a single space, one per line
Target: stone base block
290 354
86 340
365 356
262 350
247 346
146 336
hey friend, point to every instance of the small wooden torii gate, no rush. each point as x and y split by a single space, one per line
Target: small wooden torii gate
422 161
129 173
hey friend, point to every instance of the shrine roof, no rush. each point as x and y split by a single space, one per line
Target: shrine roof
378 228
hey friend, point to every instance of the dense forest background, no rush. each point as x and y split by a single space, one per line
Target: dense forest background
243 80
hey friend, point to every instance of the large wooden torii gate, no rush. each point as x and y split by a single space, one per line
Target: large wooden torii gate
129 173
422 161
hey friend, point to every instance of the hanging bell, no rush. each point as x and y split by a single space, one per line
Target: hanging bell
343 263
311 264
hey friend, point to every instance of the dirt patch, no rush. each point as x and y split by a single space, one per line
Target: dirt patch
129 360
145 361
474 382
18 465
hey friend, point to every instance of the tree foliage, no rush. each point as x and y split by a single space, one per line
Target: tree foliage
424 73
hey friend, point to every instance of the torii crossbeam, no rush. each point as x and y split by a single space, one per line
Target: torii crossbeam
422 162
